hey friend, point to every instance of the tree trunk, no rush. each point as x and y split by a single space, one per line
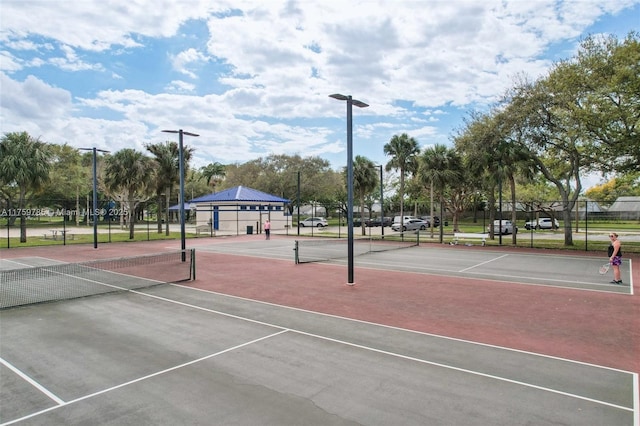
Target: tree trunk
364 231
512 186
492 211
159 213
431 212
167 194
23 220
132 218
77 206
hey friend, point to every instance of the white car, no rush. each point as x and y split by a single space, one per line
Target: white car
410 225
543 223
318 222
503 227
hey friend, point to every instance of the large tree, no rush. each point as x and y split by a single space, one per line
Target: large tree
70 178
403 151
24 168
537 120
280 174
583 116
129 179
606 75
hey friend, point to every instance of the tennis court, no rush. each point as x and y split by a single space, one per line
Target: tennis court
256 339
561 270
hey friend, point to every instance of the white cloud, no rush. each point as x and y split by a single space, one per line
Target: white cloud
32 100
178 86
182 61
9 63
253 77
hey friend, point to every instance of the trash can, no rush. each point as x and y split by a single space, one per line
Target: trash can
249 230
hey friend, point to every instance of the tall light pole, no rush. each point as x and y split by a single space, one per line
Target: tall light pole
180 132
360 104
95 192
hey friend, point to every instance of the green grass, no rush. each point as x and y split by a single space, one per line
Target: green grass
37 241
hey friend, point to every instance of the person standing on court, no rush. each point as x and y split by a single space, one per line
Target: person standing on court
267 229
615 257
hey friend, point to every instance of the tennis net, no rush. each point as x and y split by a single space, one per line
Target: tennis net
39 284
323 249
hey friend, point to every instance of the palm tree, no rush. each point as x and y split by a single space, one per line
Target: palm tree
167 165
23 164
403 151
213 173
435 171
365 181
129 174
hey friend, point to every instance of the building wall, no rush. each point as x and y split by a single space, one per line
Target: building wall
235 217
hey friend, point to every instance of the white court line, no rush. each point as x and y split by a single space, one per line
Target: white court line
483 263
413 269
504 379
475 373
139 379
33 257
32 382
18 263
283 330
243 252
391 327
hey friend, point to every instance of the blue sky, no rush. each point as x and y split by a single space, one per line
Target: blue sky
253 77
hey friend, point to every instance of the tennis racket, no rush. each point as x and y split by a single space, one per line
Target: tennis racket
604 269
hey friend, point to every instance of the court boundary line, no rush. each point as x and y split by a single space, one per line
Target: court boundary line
467 371
283 330
32 382
61 403
392 327
634 376
483 263
342 262
145 377
26 265
500 280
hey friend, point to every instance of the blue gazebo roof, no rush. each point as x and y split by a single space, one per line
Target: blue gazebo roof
239 193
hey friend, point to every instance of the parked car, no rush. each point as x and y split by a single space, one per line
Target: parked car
318 222
386 221
396 219
410 225
503 227
542 223
372 222
436 220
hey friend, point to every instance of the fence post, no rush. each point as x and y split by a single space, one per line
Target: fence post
586 225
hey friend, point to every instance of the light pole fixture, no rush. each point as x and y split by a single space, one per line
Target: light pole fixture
360 104
180 132
95 192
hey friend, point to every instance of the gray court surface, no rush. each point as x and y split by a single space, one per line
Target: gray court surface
172 355
571 270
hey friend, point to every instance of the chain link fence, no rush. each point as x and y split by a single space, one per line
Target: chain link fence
54 223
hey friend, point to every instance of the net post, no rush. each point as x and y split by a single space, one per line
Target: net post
295 251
